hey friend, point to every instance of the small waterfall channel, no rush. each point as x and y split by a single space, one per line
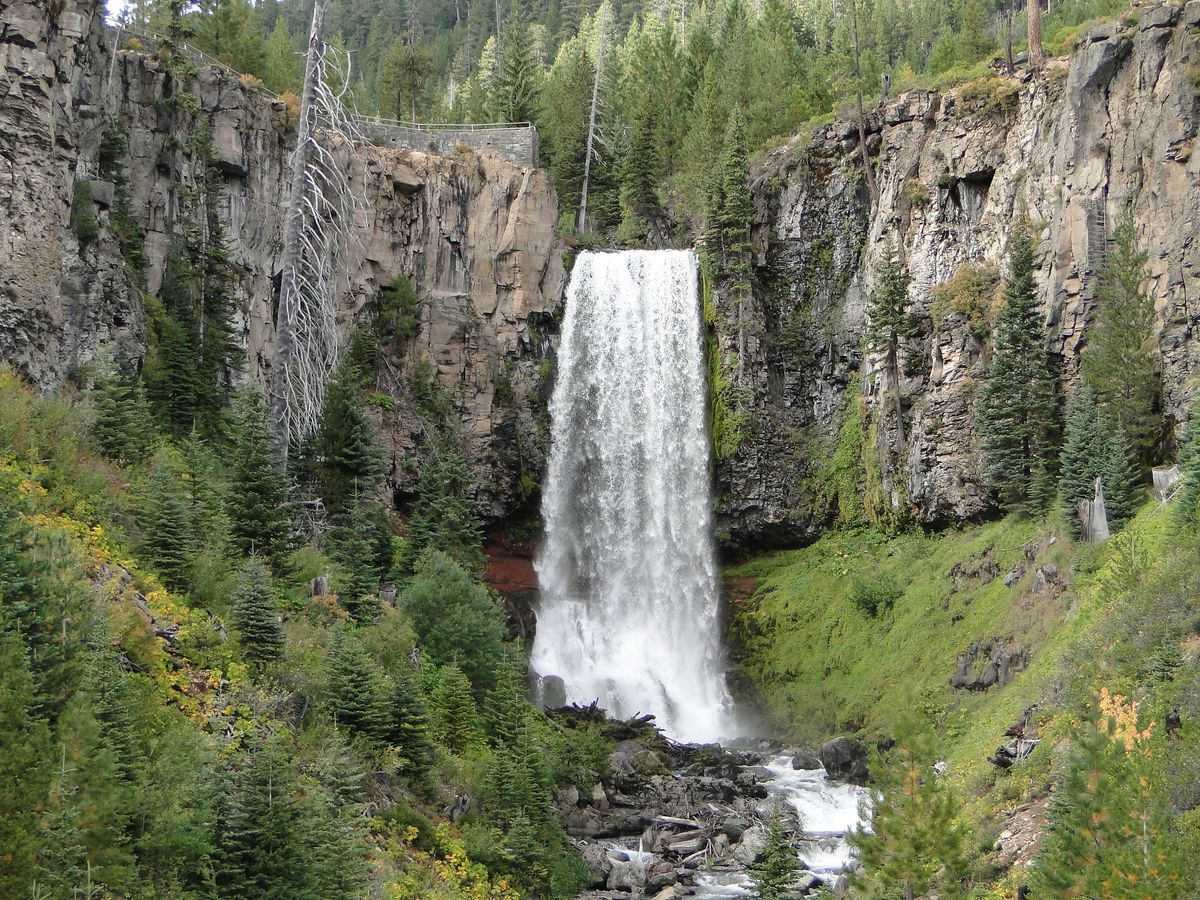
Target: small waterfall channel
628 614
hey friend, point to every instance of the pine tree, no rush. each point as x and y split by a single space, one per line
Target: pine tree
1187 502
349 463
402 78
254 613
258 496
282 69
1109 831
776 868
165 524
887 312
734 212
516 91
1091 451
915 843
454 718
641 210
1019 410
351 548
454 617
124 428
260 830
23 770
1121 360
410 724
357 694
173 378
443 516
335 836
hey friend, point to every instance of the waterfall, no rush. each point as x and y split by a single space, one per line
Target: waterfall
628 610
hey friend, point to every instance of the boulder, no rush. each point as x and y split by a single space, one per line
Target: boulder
554 692
599 798
753 842
806 760
625 876
845 759
660 875
595 858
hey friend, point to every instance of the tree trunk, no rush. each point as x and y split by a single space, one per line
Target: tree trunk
287 313
1036 56
581 219
1008 53
862 125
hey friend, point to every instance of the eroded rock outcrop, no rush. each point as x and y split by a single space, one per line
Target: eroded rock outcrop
474 232
1114 125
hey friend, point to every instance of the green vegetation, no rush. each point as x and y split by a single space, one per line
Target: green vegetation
917 842
181 719
1121 361
776 867
1019 412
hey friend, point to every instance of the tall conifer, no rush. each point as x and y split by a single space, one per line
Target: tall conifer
1019 409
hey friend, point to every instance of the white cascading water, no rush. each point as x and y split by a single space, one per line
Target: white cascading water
628 610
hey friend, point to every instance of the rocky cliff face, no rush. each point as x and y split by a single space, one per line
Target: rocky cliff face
475 234
1114 125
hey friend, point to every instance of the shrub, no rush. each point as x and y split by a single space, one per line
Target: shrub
972 292
83 213
873 595
915 194
989 95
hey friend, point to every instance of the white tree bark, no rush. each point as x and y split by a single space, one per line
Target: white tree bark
320 213
581 221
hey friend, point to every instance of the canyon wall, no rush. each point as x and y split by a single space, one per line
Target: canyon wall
1112 126
475 233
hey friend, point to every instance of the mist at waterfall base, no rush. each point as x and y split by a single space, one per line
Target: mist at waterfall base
628 613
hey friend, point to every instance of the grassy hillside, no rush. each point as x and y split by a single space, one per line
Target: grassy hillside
1123 619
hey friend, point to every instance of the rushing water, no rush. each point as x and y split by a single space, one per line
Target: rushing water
627 570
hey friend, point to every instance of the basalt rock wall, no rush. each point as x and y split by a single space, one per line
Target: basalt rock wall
474 232
1112 126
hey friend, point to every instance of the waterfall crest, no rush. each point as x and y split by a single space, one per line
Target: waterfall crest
629 604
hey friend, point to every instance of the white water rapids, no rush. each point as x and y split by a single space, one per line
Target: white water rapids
628 610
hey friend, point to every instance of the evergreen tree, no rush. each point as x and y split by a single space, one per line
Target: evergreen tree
776 868
640 207
335 836
260 843
357 694
282 69
402 79
887 312
232 31
258 496
443 516
1110 833
23 779
351 548
454 719
916 843
1091 451
173 378
455 619
1187 503
730 206
254 613
410 723
348 462
165 524
1121 360
124 428
1019 410
566 99
516 91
